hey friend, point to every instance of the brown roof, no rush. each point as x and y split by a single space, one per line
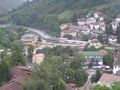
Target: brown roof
19 75
19 71
11 86
109 79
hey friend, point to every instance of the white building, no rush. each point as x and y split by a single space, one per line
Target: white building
118 18
116 66
103 27
112 39
91 20
81 22
115 24
99 15
95 26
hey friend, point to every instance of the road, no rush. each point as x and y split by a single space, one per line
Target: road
43 34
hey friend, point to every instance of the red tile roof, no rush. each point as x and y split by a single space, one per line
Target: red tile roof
66 24
69 31
39 56
109 79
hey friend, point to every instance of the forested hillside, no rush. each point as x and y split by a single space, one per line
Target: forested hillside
8 5
48 14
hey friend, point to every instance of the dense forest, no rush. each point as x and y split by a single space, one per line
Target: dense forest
49 14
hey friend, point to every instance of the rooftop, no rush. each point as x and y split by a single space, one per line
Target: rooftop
95 53
21 75
109 79
69 31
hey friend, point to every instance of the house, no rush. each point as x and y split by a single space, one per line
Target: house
95 43
20 74
91 20
68 32
81 22
95 56
103 27
29 40
65 26
95 26
118 18
112 39
84 30
115 24
99 15
108 79
116 66
38 58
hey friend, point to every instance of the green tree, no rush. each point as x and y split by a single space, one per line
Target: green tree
109 30
116 86
99 87
17 56
92 48
108 59
5 67
77 62
80 77
85 37
30 52
95 78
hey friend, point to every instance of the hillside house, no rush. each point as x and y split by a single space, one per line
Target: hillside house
115 24
68 32
103 27
112 39
116 67
91 20
95 26
118 18
99 15
81 22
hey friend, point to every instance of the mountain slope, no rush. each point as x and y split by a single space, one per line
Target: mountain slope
48 14
8 5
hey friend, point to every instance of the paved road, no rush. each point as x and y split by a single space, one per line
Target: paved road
43 34
40 32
